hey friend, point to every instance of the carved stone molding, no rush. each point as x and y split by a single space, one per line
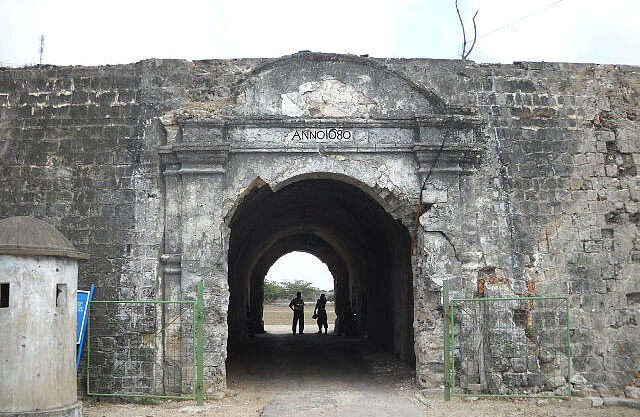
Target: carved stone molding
194 159
207 144
218 128
452 159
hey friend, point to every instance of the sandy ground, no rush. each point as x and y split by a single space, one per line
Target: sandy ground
316 375
251 404
277 318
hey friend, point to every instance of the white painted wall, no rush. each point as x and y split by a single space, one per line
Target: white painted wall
37 339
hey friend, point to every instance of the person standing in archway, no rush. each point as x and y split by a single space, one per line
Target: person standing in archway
297 305
321 313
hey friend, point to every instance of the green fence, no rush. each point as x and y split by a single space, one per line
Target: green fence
507 347
150 349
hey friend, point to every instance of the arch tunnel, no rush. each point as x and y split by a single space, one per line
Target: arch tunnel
343 223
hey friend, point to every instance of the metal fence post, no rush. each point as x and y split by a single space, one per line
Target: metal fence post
134 344
199 343
569 356
446 330
88 344
547 318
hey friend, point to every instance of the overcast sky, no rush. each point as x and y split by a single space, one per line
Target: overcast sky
300 265
115 31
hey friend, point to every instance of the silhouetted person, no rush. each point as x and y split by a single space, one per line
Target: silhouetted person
321 311
348 323
297 305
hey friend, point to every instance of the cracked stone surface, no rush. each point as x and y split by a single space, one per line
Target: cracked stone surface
326 98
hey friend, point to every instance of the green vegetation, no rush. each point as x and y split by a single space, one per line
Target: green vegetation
285 291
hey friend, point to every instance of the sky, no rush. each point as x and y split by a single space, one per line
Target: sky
86 32
303 266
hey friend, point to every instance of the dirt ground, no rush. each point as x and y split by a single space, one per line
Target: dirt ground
277 318
251 404
316 375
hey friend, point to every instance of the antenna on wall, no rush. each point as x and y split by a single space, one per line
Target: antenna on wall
41 47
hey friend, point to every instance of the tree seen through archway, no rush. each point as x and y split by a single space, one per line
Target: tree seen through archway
293 272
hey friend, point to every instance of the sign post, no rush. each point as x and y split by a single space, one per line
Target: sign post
447 342
199 342
84 297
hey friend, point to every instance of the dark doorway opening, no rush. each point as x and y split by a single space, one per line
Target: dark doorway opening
341 222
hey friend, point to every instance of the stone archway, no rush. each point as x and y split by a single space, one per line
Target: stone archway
366 248
382 144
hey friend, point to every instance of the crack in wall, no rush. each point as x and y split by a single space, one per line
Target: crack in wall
444 235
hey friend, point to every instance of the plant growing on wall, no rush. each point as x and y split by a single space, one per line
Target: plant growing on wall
465 53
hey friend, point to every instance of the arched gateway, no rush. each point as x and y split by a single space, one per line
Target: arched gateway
365 248
327 154
172 172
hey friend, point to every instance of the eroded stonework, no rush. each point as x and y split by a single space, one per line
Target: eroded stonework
530 169
326 98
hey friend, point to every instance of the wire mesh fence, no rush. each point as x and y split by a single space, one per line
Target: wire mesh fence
134 349
511 347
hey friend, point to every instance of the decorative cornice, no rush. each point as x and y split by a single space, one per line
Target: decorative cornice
435 120
194 159
452 159
207 150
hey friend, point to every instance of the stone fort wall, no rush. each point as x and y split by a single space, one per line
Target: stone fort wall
555 200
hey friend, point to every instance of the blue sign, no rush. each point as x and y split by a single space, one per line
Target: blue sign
83 300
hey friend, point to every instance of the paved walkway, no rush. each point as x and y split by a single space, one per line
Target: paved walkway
316 375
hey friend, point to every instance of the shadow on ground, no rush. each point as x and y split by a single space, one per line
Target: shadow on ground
311 375
326 375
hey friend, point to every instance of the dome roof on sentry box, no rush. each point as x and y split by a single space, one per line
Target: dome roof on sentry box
28 236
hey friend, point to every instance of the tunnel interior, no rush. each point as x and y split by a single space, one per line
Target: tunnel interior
343 224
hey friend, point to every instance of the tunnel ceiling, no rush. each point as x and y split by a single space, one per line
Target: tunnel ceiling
320 213
304 242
